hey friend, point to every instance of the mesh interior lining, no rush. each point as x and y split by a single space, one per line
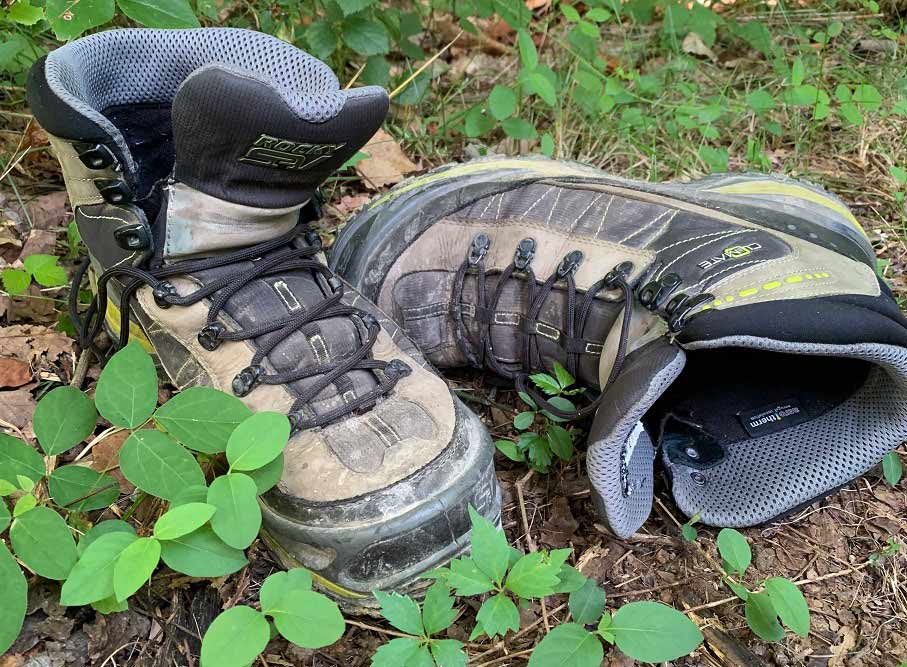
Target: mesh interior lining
145 66
764 477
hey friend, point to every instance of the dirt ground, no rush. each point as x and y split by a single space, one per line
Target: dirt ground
839 548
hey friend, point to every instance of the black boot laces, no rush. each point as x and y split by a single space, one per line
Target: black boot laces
276 256
481 353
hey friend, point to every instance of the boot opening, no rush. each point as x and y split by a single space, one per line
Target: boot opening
748 434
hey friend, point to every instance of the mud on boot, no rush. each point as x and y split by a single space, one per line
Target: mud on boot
735 325
192 160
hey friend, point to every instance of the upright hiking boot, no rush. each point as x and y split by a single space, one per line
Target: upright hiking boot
192 160
735 324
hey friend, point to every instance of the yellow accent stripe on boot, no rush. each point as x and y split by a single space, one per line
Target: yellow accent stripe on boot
789 190
543 167
135 331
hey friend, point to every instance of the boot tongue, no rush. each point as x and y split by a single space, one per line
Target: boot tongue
246 158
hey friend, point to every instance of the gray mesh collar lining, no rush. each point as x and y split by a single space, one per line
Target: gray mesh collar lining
765 477
145 66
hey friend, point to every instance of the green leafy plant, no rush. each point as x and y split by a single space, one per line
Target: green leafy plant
892 468
170 454
43 269
508 578
540 447
769 604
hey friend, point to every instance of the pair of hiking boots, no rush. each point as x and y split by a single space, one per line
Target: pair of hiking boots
732 327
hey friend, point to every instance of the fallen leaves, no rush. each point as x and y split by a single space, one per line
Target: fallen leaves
29 342
14 373
386 163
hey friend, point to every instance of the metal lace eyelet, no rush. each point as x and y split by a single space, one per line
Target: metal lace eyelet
209 336
570 263
656 291
246 380
682 313
620 272
480 245
396 369
162 293
525 251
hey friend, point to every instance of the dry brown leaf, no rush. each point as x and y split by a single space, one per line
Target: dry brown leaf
14 373
349 204
386 163
694 45
17 408
40 242
839 651
28 342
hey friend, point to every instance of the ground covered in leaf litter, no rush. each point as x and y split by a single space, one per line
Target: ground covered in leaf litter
839 550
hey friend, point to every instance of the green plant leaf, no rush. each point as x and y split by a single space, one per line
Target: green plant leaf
395 653
653 632
156 464
202 418
561 442
587 604
69 19
18 458
598 14
92 577
497 615
197 493
789 603
734 550
467 579
509 449
523 420
547 145
201 553
14 593
867 96
688 532
308 619
738 589
517 128
23 13
535 575
25 483
529 57
43 541
762 617
25 504
366 37
135 566
15 281
235 638
160 13
568 645
5 517
238 516
477 123
109 605
126 394
502 102
182 520
280 583
258 440
447 652
797 72
570 578
401 611
490 550
81 489
760 101
349 7
103 528
892 468
63 419
322 39
851 113
715 158
437 608
45 270
267 476
7 488
546 383
542 86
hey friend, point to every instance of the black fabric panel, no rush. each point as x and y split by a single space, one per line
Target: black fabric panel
834 319
60 119
218 114
146 130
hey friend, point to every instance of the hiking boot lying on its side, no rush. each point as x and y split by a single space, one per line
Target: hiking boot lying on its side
735 324
192 160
